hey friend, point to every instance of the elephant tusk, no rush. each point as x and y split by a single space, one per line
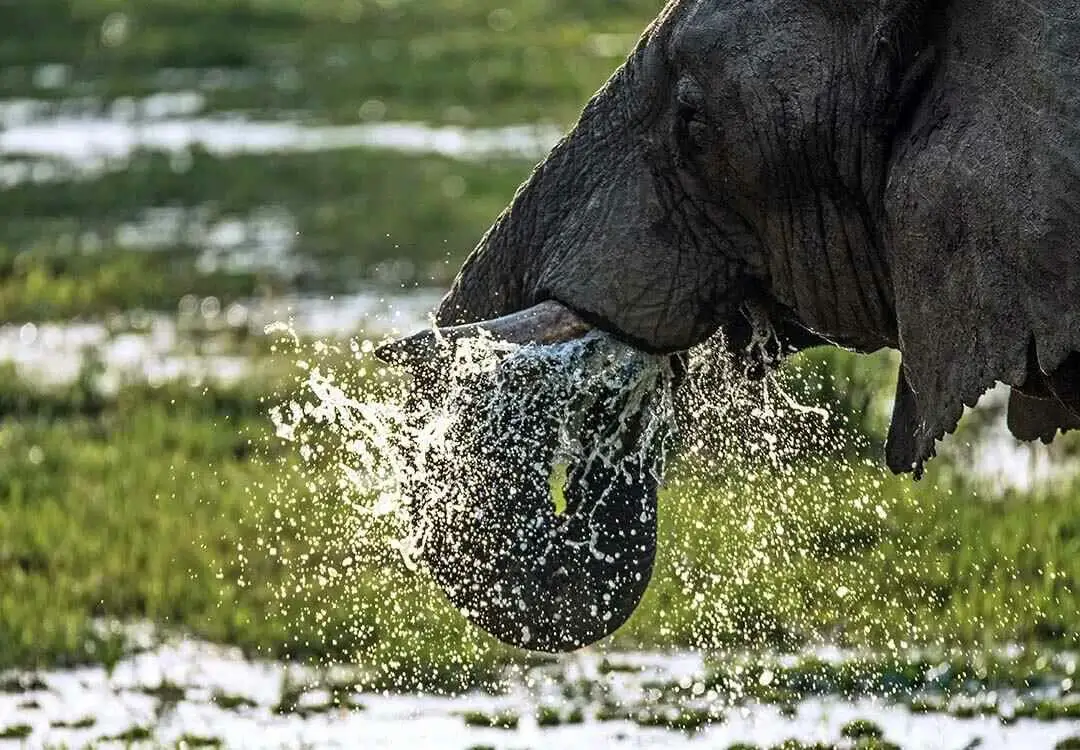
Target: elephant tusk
549 322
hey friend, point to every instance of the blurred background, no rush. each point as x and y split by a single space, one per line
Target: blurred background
176 175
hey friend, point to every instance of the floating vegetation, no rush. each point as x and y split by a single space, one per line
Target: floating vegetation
21 683
16 732
167 693
231 702
497 720
553 716
195 741
862 729
132 734
682 719
85 722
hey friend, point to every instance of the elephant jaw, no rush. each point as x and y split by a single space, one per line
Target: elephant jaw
491 536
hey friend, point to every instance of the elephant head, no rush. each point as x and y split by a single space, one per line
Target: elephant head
901 173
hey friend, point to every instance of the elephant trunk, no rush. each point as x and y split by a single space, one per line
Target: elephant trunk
535 575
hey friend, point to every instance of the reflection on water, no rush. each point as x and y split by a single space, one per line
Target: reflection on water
154 347
196 689
25 111
65 147
262 240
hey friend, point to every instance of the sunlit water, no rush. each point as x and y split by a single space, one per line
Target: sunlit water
188 688
194 345
398 454
43 142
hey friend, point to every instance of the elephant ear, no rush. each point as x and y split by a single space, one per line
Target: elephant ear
1047 403
983 206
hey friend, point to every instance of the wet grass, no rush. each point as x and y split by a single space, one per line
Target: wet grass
131 734
497 720
196 740
230 702
355 214
85 722
169 482
41 286
151 504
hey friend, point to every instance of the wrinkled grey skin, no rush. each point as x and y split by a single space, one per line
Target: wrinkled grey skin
902 173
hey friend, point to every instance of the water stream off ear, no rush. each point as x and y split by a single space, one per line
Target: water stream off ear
748 496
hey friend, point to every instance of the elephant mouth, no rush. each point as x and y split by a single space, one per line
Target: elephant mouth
534 569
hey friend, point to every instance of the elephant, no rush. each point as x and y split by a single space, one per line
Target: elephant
898 174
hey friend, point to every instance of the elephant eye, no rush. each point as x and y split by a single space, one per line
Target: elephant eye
692 125
696 128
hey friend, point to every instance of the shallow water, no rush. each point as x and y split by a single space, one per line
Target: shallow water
154 347
48 141
197 674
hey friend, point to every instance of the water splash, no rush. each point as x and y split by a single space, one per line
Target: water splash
766 508
400 440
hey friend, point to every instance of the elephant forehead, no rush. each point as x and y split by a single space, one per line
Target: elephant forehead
768 37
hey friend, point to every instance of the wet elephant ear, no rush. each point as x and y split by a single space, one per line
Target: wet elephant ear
983 202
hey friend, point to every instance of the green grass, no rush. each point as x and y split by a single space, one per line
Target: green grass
474 60
359 214
44 286
16 732
153 505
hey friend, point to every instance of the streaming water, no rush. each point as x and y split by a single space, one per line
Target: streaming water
405 447
752 480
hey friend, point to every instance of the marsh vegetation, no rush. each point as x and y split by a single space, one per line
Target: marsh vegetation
153 491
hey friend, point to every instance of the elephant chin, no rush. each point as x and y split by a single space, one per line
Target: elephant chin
533 575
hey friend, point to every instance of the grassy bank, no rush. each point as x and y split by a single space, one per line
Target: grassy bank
167 506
